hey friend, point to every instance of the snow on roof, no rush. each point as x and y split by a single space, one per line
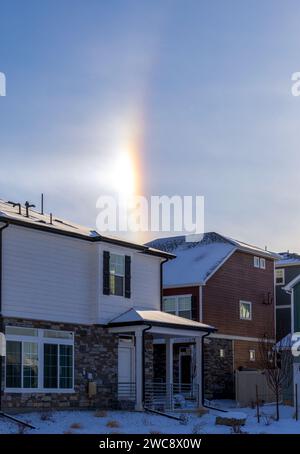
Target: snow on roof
8 212
197 260
288 259
157 317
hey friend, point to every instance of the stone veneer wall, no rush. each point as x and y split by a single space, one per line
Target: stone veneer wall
218 372
95 352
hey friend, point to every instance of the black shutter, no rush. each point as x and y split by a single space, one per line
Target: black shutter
127 276
106 289
195 315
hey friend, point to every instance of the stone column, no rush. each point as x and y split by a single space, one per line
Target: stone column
139 370
198 347
169 372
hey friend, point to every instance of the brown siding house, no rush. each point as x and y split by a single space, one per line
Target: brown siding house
230 288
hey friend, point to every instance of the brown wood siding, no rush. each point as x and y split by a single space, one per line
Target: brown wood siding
242 354
238 280
194 291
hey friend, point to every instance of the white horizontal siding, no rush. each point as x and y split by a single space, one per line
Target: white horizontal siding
145 284
49 277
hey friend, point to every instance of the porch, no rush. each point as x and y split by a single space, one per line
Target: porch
138 332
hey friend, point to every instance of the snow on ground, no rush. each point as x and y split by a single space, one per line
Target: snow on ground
122 422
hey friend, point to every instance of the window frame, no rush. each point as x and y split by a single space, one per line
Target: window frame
250 304
283 278
41 340
177 297
262 263
256 261
252 350
111 254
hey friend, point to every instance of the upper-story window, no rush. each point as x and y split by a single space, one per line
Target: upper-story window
245 310
180 305
116 274
280 276
259 262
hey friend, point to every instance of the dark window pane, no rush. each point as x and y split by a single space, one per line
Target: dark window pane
66 366
13 364
116 285
30 365
50 365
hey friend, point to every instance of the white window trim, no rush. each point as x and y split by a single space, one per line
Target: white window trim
254 355
256 259
262 263
283 279
177 303
40 340
245 302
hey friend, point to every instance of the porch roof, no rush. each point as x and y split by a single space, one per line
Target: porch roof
158 318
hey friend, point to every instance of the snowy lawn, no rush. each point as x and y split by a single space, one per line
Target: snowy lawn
122 422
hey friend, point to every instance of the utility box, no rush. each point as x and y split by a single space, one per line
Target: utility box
92 388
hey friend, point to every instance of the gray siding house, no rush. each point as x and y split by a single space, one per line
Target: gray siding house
79 313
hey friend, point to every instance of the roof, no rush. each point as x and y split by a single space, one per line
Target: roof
158 318
10 214
288 287
288 259
196 261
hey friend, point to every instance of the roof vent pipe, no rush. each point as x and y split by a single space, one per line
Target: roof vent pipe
27 206
42 203
51 220
16 205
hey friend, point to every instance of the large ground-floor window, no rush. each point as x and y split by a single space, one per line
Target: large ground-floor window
39 360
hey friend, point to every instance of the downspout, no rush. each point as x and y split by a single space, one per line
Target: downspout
1 295
161 282
202 384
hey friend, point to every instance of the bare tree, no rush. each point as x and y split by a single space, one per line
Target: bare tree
277 363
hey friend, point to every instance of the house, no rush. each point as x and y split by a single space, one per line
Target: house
287 269
291 340
80 313
224 283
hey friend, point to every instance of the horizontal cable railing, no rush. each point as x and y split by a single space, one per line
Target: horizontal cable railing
167 396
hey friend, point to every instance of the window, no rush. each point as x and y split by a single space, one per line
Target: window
280 276
245 310
117 274
178 305
39 359
252 355
256 262
262 263
222 353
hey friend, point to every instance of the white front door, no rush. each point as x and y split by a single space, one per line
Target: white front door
126 369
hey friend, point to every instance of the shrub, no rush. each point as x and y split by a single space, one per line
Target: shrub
76 425
113 424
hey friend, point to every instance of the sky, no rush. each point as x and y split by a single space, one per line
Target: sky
200 89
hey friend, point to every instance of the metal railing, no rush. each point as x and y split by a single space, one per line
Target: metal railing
171 396
126 391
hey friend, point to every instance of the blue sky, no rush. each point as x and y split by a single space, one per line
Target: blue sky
209 81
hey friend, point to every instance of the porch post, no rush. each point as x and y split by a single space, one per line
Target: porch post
169 371
139 370
198 346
